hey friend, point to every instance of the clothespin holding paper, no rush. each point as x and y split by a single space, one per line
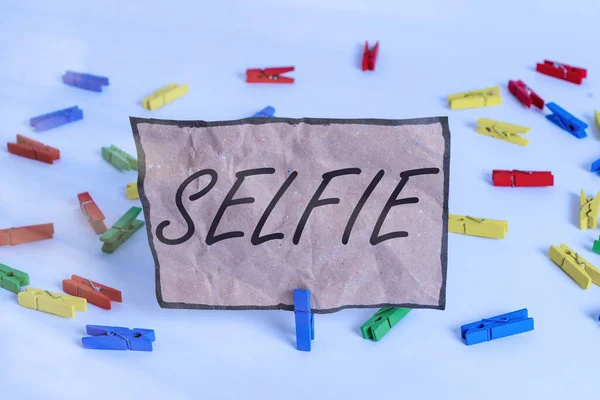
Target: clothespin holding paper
119 159
382 322
477 98
305 321
164 96
502 131
12 279
497 327
117 338
122 230
579 269
488 228
50 302
588 211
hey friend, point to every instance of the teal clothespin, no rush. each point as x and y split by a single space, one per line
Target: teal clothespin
12 279
382 322
596 248
119 159
122 230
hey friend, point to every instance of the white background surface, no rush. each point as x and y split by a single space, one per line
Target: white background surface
429 49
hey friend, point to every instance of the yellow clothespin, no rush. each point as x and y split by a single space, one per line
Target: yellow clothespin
53 303
597 113
503 131
476 98
588 211
579 269
488 228
131 191
164 95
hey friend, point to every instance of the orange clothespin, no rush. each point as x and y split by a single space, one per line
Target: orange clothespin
26 234
370 57
29 148
91 210
94 292
268 75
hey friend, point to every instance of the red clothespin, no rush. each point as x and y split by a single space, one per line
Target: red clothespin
26 234
370 57
29 148
522 178
91 210
562 71
269 75
525 95
95 293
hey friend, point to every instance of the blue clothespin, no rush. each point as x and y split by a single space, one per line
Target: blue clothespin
305 322
57 118
497 327
596 165
266 112
566 121
85 81
117 338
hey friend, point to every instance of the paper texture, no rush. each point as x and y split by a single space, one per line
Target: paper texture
240 213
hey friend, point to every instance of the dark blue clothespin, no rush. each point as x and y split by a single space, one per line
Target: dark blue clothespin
266 112
117 338
305 322
567 121
57 118
497 327
85 81
596 165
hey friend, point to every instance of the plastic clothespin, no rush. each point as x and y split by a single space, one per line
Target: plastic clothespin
497 327
117 338
122 230
525 95
579 269
502 131
131 191
119 159
55 119
31 149
382 322
26 234
476 98
94 292
595 166
516 178
164 96
370 57
597 118
12 279
91 210
50 302
305 321
269 75
588 210
562 71
85 81
266 112
487 228
566 121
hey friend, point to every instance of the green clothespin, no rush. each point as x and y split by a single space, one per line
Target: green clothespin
119 159
596 248
382 322
12 279
122 230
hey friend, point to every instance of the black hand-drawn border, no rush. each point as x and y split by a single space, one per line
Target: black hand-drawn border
312 121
